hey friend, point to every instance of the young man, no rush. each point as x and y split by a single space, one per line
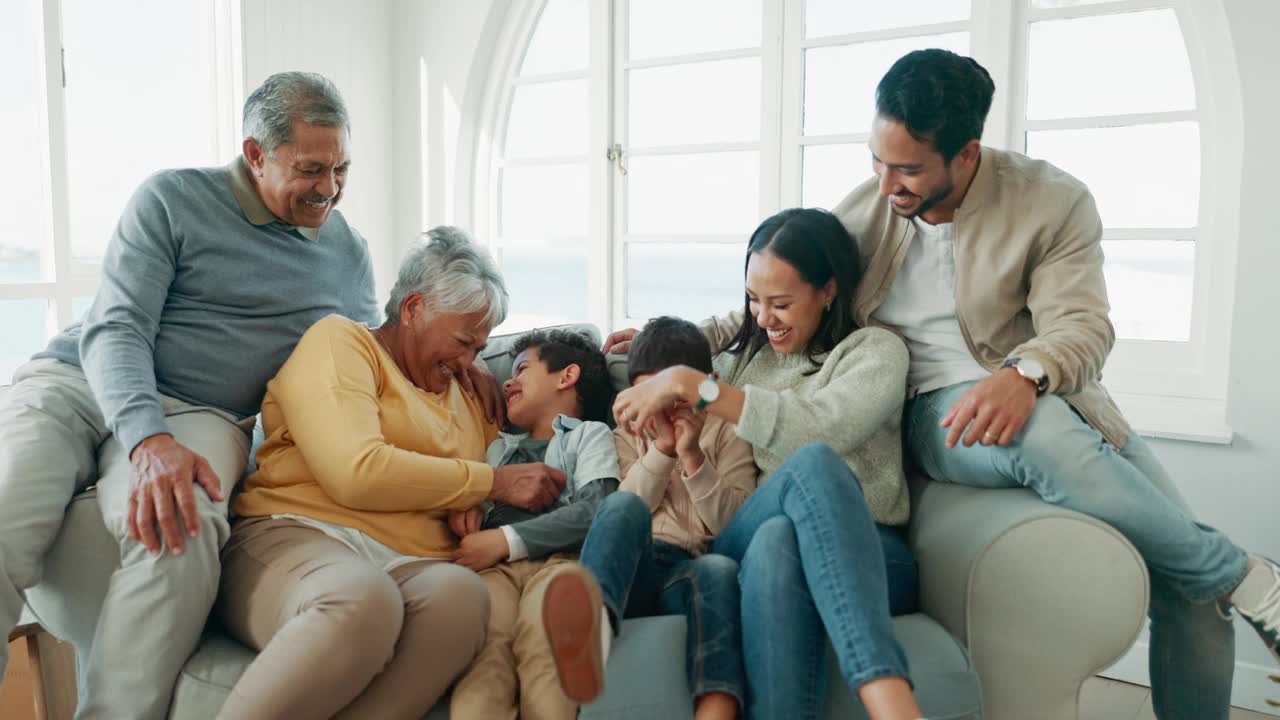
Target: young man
682 483
989 264
559 393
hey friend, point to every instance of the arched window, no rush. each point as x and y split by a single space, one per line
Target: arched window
634 162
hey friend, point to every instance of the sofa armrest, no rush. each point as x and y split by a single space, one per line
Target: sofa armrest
1043 597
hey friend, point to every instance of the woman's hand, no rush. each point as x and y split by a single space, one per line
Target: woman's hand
466 522
532 486
671 388
478 381
482 550
619 342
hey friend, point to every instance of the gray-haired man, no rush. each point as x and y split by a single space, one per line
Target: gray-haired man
210 278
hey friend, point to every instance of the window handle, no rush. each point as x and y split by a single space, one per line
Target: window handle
615 155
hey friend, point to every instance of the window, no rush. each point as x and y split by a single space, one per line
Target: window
85 87
704 116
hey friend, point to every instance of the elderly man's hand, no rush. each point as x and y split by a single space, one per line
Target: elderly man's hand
162 488
532 486
482 550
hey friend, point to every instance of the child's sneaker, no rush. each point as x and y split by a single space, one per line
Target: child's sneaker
1257 599
571 615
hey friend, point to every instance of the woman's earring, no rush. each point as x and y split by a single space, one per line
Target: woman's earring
828 306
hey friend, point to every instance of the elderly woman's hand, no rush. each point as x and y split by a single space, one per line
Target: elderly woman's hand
532 486
477 380
482 550
466 522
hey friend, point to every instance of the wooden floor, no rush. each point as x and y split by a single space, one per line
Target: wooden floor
15 693
1105 699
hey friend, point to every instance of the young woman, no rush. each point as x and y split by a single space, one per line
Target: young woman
820 400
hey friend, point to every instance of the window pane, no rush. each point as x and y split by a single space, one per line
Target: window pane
692 280
832 171
1047 4
1142 176
141 96
548 119
537 301
672 105
559 44
685 194
661 28
840 82
24 226
842 17
79 306
1113 77
24 333
546 201
1149 283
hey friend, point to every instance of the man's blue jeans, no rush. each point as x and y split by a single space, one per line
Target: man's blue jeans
640 577
815 566
1069 463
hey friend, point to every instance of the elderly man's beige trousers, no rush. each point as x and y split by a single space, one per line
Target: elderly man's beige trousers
55 443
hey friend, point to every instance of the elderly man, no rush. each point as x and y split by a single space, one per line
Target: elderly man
211 277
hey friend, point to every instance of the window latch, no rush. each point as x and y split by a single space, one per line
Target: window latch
615 155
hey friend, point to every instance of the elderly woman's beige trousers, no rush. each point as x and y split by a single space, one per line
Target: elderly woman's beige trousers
337 635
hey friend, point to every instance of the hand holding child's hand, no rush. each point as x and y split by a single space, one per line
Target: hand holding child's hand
662 434
482 550
687 426
465 522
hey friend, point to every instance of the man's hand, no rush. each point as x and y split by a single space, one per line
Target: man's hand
162 488
477 380
482 550
532 486
465 522
619 342
688 430
994 410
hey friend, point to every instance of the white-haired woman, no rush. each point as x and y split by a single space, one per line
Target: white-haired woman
337 568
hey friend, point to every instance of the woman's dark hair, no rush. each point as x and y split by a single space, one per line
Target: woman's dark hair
666 342
939 96
559 349
816 244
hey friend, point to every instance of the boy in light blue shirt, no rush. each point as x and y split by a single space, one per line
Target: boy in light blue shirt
560 392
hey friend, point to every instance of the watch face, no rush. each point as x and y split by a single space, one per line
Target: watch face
1030 368
709 390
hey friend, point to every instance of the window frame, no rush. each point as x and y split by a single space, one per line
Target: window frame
60 291
1167 389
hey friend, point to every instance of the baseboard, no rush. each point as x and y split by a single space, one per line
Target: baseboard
1253 685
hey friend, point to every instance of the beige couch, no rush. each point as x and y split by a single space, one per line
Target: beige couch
1042 598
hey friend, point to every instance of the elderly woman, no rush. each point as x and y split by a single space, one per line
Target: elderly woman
337 568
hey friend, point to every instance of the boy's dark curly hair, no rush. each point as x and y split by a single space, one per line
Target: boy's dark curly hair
562 348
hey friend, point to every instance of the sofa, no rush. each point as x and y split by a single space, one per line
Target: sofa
1021 602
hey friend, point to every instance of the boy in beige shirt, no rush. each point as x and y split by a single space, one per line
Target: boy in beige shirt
682 482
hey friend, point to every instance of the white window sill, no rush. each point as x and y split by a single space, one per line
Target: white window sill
1177 418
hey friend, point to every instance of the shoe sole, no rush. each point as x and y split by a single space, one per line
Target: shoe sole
571 618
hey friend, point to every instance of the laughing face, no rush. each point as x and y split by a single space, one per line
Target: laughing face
913 175
784 304
532 387
301 181
441 345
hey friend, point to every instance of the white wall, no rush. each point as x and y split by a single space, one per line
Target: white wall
441 66
351 44
1237 488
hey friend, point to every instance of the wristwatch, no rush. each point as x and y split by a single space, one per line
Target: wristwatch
1030 369
708 392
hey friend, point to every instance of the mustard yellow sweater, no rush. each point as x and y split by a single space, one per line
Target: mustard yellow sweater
352 442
